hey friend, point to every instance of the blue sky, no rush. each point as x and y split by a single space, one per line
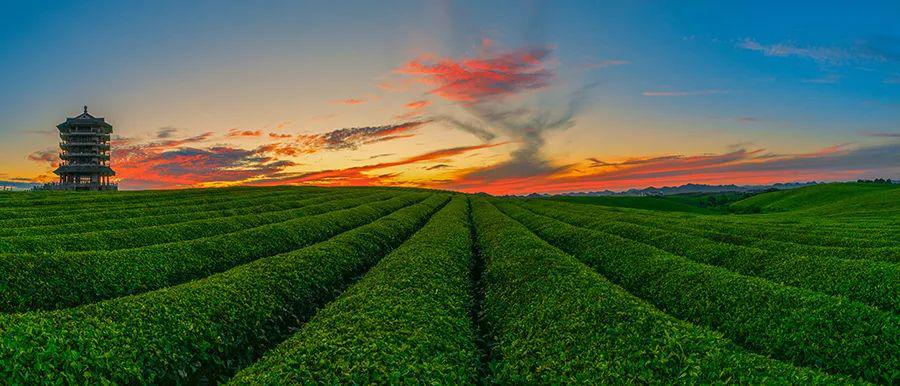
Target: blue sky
653 79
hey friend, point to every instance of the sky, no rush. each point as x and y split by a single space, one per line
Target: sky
477 96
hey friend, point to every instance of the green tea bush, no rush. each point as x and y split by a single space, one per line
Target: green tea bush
68 279
555 321
792 324
83 213
201 331
406 321
146 232
869 282
79 206
237 206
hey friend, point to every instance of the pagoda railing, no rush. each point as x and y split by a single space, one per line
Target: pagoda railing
76 186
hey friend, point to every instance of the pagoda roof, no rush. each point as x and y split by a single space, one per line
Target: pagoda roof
103 170
84 119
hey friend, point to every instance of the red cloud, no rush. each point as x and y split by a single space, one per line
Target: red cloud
244 133
476 79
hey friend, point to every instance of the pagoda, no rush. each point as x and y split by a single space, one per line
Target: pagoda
84 154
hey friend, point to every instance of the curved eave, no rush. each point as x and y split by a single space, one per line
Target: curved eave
84 122
99 169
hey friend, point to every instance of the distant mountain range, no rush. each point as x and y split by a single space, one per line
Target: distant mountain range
687 188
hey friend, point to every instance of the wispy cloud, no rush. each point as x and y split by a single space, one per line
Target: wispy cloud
414 109
826 79
349 101
683 93
417 104
606 63
882 134
861 51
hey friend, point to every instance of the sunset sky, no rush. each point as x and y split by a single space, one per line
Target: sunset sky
497 97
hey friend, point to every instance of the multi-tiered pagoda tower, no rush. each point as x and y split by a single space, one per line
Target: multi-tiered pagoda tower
84 154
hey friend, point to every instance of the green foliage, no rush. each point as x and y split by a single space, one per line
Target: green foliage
68 279
406 321
148 231
699 203
800 326
829 199
873 283
204 330
556 321
194 286
662 203
178 212
96 204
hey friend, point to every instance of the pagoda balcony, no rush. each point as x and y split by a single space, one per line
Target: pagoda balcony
93 145
63 135
68 156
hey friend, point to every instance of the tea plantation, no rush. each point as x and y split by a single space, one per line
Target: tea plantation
298 285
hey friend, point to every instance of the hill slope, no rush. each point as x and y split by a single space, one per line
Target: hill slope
829 199
664 204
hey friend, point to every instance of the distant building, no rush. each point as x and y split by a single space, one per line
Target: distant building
84 154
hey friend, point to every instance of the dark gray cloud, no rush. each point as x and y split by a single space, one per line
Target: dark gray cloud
471 128
438 166
166 132
528 126
353 137
882 134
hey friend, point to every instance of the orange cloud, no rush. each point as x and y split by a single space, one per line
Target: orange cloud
243 133
279 135
349 101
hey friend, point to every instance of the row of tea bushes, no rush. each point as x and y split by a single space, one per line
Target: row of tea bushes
202 331
406 321
68 279
555 321
800 326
